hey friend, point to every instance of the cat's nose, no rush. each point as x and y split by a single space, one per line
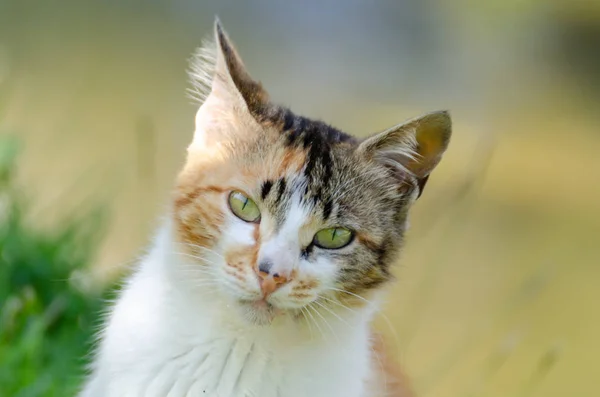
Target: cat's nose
269 278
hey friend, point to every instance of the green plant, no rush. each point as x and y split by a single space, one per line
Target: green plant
46 320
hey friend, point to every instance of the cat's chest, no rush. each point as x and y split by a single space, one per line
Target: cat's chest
244 366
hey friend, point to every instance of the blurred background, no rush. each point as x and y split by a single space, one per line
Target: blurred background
498 291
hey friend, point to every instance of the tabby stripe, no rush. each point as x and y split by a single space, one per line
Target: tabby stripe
266 188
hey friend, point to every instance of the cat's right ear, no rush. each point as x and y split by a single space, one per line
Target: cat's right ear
413 148
228 94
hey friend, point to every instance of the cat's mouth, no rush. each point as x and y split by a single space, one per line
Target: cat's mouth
260 311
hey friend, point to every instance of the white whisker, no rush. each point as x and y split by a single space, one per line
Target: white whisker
314 321
200 258
383 315
337 303
307 322
324 320
353 294
333 313
204 248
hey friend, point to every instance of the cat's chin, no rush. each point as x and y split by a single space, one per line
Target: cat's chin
259 312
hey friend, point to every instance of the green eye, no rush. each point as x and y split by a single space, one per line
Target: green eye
333 238
243 207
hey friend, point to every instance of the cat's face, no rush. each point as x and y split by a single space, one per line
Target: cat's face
281 213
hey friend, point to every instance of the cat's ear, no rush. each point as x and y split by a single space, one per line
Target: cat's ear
414 147
228 94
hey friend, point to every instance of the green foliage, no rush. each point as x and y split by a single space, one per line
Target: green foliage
47 319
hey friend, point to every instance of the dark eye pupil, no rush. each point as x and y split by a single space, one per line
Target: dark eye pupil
333 234
245 203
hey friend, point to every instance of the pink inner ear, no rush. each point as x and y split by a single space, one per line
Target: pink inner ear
432 135
416 146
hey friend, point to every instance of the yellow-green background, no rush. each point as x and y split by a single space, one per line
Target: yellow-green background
498 291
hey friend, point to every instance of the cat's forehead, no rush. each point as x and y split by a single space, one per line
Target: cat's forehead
314 163
318 143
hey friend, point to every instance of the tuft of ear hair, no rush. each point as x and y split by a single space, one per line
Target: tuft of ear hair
412 148
216 65
229 96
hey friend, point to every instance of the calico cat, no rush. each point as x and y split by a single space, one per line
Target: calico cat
266 275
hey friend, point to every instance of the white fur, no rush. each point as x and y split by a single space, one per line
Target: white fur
165 338
201 71
181 326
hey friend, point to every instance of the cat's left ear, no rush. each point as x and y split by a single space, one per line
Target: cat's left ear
233 96
231 70
414 147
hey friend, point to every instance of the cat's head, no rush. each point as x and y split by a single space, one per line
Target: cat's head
279 212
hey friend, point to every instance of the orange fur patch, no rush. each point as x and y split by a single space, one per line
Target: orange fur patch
256 247
388 377
292 161
300 296
366 241
200 198
198 218
306 284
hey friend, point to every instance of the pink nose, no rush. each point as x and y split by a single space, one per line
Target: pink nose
270 282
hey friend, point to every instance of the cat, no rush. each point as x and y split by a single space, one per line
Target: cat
264 279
